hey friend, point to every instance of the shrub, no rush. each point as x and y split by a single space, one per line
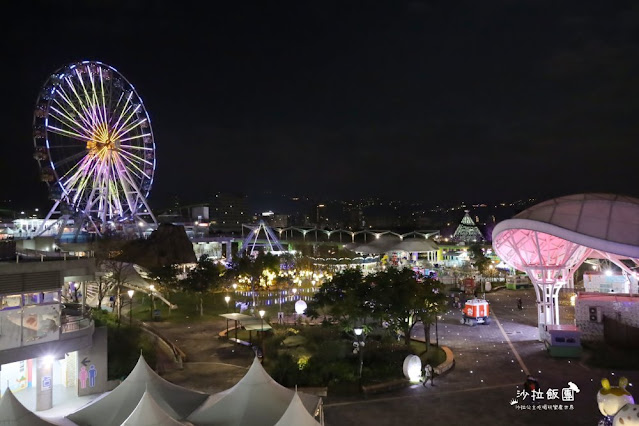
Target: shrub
284 370
125 344
293 341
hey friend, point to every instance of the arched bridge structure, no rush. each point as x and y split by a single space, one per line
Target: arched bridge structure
343 235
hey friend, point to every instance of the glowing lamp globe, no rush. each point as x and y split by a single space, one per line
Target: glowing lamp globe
300 307
412 368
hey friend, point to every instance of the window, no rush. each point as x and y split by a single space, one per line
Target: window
560 339
51 297
570 340
32 299
10 302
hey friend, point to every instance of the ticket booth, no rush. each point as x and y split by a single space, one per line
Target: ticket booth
563 341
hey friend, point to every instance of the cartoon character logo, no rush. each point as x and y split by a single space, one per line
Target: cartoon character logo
617 404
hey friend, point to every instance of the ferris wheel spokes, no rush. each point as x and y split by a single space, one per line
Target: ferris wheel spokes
95 146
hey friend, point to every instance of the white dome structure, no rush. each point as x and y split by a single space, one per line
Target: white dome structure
550 240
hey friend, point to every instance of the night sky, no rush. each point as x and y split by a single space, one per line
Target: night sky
452 100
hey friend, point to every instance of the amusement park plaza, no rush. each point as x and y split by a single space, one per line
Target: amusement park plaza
113 314
526 327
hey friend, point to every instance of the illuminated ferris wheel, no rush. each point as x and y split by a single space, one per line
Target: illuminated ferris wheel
94 144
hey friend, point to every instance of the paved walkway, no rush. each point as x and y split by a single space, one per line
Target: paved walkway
212 364
491 361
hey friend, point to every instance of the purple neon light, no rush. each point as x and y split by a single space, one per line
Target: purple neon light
110 175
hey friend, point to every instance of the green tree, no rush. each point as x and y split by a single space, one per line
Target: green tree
111 273
253 267
116 276
166 277
346 297
478 258
204 277
402 299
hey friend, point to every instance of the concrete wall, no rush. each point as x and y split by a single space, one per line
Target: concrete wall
623 309
66 267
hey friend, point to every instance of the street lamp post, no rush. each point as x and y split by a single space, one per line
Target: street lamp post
227 299
130 292
360 346
262 312
152 288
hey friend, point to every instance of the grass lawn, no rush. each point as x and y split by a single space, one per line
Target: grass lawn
434 356
188 307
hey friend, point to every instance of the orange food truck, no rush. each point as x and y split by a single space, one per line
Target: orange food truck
476 311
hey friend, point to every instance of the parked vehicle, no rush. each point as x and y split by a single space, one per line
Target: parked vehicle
476 311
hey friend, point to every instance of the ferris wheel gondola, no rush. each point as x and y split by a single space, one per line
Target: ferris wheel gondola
95 147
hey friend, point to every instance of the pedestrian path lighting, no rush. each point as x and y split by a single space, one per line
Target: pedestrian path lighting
152 288
359 349
227 299
300 307
262 312
130 292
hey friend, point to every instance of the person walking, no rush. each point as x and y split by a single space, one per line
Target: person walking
429 373
531 384
520 304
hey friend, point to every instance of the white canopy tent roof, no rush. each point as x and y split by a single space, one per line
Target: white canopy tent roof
149 413
416 245
297 415
116 406
385 244
255 400
13 413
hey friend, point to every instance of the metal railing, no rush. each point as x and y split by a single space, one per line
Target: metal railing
73 323
30 255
